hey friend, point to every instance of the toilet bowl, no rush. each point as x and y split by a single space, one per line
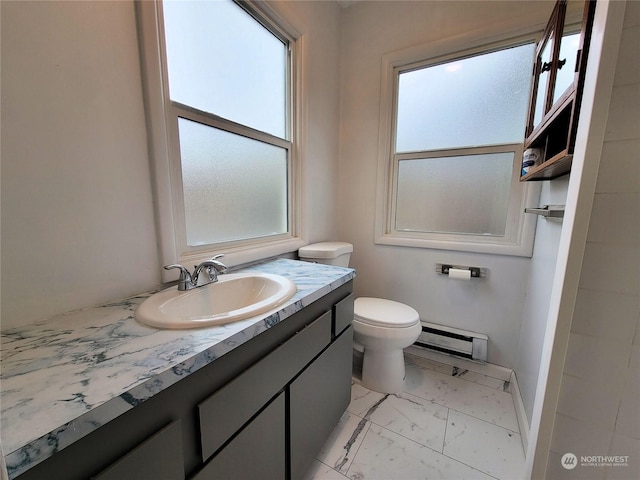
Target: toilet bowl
384 328
381 328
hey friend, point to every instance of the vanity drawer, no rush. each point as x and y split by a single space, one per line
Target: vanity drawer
342 314
157 458
228 409
258 451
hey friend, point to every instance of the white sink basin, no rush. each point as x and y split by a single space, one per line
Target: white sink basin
235 296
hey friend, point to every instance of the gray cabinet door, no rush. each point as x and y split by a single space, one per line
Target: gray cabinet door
318 398
342 314
258 451
158 458
224 412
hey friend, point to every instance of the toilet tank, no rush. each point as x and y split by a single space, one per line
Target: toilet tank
329 253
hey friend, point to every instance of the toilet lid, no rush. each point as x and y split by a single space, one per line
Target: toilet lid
384 313
325 250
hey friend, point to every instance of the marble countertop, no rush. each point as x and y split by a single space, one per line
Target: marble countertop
64 377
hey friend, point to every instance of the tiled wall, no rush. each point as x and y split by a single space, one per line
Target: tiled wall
599 405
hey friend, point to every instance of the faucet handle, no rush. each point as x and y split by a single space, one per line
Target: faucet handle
219 266
185 277
209 263
212 267
183 270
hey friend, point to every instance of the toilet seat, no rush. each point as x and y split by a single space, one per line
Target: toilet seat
380 312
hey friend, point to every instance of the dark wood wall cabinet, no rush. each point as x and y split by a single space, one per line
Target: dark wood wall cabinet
263 410
558 81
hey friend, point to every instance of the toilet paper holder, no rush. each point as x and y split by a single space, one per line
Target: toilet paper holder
476 272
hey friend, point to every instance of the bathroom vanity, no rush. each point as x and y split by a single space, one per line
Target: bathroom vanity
254 399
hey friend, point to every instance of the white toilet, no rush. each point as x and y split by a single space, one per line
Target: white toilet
381 328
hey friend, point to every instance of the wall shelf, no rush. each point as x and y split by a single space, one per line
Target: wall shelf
555 167
553 120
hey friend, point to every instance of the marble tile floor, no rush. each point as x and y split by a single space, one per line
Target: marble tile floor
446 424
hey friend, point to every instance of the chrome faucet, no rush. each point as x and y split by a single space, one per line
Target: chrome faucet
189 281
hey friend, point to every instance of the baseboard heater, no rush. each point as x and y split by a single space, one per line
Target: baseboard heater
453 341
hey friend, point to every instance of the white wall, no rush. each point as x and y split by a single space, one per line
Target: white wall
369 30
77 209
536 305
318 22
77 214
599 403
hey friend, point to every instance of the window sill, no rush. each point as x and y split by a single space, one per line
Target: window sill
240 255
524 249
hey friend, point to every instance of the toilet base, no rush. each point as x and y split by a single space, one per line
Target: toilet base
383 370
356 371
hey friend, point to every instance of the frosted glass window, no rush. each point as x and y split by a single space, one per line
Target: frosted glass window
456 143
220 96
234 187
462 194
222 61
468 102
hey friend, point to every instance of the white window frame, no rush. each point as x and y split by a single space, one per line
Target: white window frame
164 149
520 228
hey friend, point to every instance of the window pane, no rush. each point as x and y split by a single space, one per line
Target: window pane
222 61
474 101
565 75
463 195
234 187
543 81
